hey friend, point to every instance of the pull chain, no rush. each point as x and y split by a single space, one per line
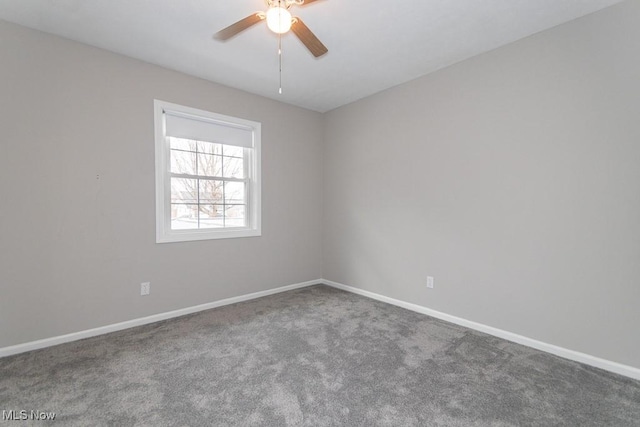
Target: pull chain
280 59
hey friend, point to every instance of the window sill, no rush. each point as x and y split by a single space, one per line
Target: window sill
193 235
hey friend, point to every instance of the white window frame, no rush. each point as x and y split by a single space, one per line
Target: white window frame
164 233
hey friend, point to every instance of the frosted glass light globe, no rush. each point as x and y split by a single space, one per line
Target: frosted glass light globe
279 20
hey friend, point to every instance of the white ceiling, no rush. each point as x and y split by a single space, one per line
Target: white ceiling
373 44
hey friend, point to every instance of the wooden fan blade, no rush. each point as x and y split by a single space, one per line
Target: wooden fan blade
239 26
306 2
307 38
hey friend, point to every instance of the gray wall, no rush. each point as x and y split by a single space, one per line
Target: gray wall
74 248
513 178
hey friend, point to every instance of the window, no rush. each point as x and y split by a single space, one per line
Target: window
207 175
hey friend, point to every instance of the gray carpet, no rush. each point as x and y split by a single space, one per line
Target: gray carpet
316 357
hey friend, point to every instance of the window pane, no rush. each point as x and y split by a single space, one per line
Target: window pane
232 150
182 144
233 167
183 162
234 215
234 193
209 165
211 192
209 148
211 216
184 190
184 217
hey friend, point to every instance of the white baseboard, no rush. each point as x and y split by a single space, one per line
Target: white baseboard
576 356
48 342
587 359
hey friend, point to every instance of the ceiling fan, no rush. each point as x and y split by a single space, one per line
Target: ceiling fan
279 20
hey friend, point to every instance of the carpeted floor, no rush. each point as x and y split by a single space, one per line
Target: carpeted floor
316 357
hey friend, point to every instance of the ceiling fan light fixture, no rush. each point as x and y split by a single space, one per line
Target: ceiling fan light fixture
279 20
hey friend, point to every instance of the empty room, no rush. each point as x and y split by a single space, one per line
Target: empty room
320 212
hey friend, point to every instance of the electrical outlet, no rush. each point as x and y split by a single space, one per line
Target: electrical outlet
145 288
430 282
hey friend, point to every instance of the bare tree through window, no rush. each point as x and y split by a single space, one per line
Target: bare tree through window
208 185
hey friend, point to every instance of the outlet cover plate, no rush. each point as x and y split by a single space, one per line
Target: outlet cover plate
145 288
